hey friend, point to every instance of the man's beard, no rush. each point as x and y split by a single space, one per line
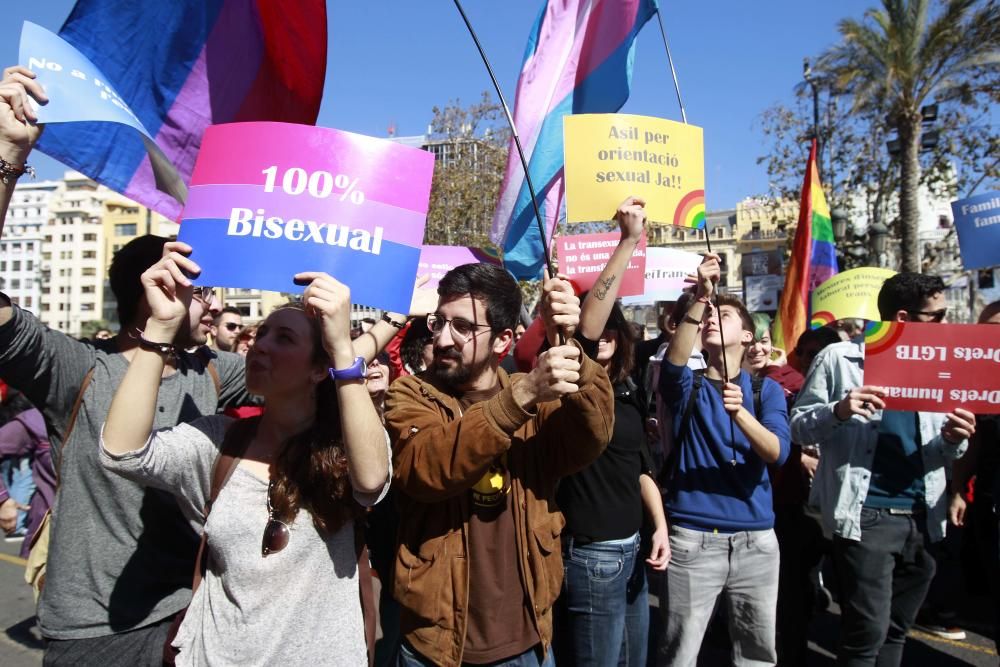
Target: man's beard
459 375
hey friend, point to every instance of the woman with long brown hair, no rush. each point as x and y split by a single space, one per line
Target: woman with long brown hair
281 581
603 613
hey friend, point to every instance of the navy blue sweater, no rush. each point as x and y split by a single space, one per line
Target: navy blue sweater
708 492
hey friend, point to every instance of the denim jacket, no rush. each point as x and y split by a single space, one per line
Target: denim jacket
847 448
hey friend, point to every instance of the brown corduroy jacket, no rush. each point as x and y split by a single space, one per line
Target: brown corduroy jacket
439 453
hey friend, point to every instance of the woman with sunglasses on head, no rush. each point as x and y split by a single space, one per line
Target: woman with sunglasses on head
281 572
603 612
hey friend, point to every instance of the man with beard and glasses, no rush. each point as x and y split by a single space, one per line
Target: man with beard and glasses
477 456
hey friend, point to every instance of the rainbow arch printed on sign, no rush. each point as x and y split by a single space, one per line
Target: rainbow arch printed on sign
881 335
821 319
690 210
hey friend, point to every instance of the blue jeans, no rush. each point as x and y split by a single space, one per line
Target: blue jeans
17 477
530 658
604 606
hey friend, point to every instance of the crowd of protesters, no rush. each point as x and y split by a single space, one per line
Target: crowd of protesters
233 502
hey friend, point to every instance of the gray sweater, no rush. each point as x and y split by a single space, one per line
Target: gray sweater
121 555
299 606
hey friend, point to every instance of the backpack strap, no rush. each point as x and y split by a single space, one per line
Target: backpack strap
367 585
669 469
757 383
214 372
233 447
71 422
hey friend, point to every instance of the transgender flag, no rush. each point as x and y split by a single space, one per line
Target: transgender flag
813 261
183 65
578 60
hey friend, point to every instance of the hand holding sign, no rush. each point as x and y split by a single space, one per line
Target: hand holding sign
168 292
18 131
959 426
330 301
631 218
863 401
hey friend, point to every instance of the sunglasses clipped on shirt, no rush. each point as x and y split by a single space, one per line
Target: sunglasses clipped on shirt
276 532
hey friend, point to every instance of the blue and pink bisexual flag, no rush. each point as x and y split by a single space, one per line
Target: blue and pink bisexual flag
184 65
269 200
578 60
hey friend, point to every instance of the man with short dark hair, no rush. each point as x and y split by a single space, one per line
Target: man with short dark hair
881 481
726 431
226 329
477 457
121 556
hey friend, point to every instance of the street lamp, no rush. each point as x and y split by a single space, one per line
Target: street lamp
838 217
879 235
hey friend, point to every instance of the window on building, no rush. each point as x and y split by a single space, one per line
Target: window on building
3 266
125 230
66 238
89 271
86 306
66 254
46 256
29 265
90 237
27 302
44 306
15 283
87 289
90 254
15 265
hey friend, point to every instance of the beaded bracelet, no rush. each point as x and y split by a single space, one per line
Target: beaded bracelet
8 172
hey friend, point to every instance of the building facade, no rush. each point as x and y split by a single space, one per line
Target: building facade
21 243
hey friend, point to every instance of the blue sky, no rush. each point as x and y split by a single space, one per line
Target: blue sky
390 63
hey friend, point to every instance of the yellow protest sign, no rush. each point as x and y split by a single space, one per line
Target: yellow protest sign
612 156
851 294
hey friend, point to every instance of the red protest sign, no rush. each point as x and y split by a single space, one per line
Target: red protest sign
582 257
935 367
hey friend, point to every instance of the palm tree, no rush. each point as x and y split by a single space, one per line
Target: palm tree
899 58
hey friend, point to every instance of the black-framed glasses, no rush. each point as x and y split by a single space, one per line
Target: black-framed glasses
461 328
934 315
276 532
233 326
204 294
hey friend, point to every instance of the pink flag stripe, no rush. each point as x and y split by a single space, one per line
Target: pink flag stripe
555 68
217 202
384 171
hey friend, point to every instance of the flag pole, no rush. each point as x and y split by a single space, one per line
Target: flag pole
517 140
708 241
670 61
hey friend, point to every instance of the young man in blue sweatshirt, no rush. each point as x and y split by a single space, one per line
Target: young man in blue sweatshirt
719 495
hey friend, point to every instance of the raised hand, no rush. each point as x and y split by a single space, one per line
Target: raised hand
631 218
330 301
560 308
425 300
168 291
18 131
707 276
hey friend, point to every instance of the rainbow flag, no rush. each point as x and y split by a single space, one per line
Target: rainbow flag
184 65
578 60
814 260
